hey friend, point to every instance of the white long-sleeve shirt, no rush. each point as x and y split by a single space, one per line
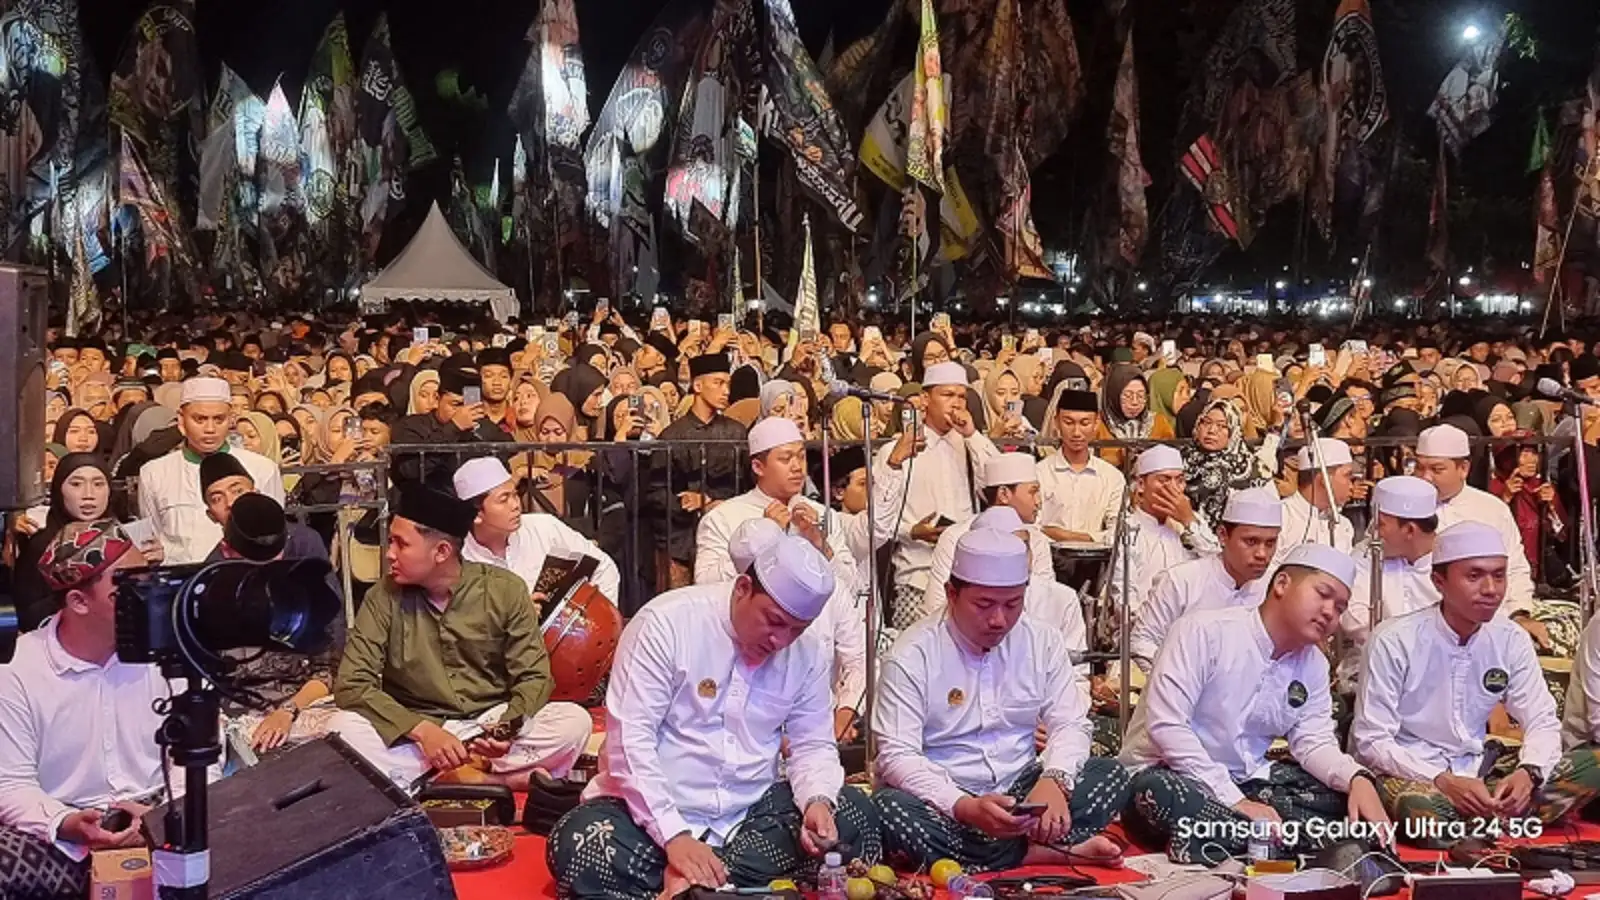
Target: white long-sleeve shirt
842 628
539 536
1305 524
944 557
1473 505
940 482
953 721
1407 587
1052 604
73 735
1158 547
713 564
1580 723
171 498
1084 500
693 732
1195 585
1423 704
1217 699
888 490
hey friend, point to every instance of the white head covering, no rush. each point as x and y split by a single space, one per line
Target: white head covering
752 538
795 576
1444 442
1324 559
1467 540
1406 497
944 373
1334 453
1160 458
774 431
991 559
477 477
1010 468
999 518
1254 506
205 390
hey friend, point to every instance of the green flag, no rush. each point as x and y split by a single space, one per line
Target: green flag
1541 145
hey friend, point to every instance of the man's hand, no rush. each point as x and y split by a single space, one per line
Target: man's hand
1514 484
1535 629
1170 502
1364 804
819 833
1512 795
961 421
926 531
991 814
910 444
844 725
805 523
1469 796
1103 690
1041 737
272 731
691 501
1053 825
1056 533
488 747
1258 812
467 417
695 862
83 827
439 747
1547 493
779 513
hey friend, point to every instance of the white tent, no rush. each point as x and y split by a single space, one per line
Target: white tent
434 267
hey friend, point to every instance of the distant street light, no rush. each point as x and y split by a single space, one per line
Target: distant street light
1280 285
1471 33
1465 281
1366 282
1144 286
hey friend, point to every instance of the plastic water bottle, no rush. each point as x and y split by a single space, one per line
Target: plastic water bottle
831 878
965 887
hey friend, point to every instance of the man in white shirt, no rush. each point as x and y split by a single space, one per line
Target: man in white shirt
940 486
1234 577
1010 480
1227 683
505 536
1443 453
959 699
1407 518
1428 684
708 680
842 625
77 731
170 495
1171 530
1305 512
1580 722
1080 492
778 460
848 472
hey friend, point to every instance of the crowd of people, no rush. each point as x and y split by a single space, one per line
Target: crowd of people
1030 489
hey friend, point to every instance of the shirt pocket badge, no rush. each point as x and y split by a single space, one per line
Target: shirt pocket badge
956 697
707 689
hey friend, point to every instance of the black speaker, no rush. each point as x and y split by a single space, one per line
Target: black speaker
24 301
318 823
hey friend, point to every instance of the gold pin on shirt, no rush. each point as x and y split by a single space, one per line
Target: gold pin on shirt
956 697
708 688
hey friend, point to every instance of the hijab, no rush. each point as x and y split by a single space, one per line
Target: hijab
65 422
1214 474
1163 390
919 346
1121 427
123 441
1190 414
773 391
581 380
270 447
560 463
34 598
844 422
418 381
1259 389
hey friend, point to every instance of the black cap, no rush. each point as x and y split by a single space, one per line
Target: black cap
436 509
456 380
257 529
218 466
708 364
1585 366
493 356
663 345
1078 401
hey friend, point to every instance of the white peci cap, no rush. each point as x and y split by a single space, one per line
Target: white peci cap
991 559
999 518
1334 453
1010 468
944 373
1405 497
774 431
751 539
1160 458
1467 540
1443 442
206 390
796 577
1254 506
477 477
1324 559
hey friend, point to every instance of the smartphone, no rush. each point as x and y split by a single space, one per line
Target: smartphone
419 336
500 340
142 532
725 322
1356 346
435 332
1046 356
1264 361
1029 809
1008 342
943 521
259 368
635 403
572 320
1014 408
1317 356
659 319
1169 351
871 333
908 417
352 428
941 321
552 344
1032 334
472 396
552 324
603 306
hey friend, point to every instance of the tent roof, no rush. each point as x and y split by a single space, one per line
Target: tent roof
435 266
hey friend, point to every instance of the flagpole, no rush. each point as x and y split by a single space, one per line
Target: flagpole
755 212
1589 172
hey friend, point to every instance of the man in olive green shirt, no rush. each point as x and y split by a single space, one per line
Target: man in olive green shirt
443 649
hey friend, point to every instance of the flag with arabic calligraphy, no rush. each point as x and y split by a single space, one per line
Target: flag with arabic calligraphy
704 159
807 315
138 191
328 131
550 109
278 177
1463 107
799 116
1131 215
156 92
926 135
382 140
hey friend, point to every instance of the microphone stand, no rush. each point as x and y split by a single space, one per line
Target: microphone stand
869 736
1331 514
1586 586
1126 530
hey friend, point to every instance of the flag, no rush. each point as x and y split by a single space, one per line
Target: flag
328 131
926 135
1052 77
807 317
704 157
83 302
551 100
516 229
1539 153
1132 216
217 158
1546 231
1352 73
156 90
1462 108
138 191
1203 166
629 140
382 143
798 115
1438 254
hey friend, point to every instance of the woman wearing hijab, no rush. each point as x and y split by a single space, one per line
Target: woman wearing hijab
1125 413
424 395
1030 371
1218 462
1541 517
1169 391
777 396
582 385
928 349
77 431
80 491
1002 403
1260 392
260 436
525 399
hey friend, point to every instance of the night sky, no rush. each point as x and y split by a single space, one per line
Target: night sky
483 39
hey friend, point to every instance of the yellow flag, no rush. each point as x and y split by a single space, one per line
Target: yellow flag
929 123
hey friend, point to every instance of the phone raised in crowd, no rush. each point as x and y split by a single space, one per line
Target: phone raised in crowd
1014 408
1169 351
1264 361
725 322
603 306
352 428
419 336
871 333
1356 346
941 321
1008 342
472 396
1317 356
660 319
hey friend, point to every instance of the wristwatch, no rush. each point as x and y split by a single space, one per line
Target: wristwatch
289 707
1364 774
826 801
1534 773
1060 778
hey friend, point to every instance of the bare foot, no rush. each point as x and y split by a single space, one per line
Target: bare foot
1098 850
675 885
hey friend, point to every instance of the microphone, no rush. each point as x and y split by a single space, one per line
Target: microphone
1553 389
840 388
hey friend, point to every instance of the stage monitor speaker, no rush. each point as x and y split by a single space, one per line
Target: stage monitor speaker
24 302
318 823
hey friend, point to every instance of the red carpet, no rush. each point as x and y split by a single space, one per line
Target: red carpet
525 875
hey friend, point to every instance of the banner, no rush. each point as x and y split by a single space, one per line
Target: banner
138 191
382 145
156 92
551 101
328 133
1131 214
807 316
925 138
1352 74
704 157
799 116
1203 166
1462 108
